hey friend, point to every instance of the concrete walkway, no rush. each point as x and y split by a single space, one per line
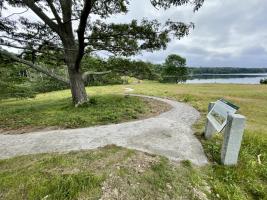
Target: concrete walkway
168 134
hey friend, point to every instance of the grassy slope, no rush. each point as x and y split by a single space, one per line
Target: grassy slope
55 109
247 180
110 173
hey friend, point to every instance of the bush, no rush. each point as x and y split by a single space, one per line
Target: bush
263 81
48 85
7 90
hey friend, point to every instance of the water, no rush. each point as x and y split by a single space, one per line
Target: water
226 78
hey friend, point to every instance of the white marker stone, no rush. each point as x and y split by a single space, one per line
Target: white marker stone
232 139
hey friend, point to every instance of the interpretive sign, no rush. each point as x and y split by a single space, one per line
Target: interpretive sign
218 114
222 116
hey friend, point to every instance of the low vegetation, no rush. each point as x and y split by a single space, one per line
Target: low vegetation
248 179
107 173
55 110
131 174
263 81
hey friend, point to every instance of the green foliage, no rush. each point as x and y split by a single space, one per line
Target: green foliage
12 78
119 67
47 85
138 69
18 81
175 67
175 61
11 72
263 81
93 35
8 90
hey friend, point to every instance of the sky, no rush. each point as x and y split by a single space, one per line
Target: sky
227 33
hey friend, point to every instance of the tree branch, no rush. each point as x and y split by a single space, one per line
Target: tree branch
88 73
66 9
81 30
38 11
33 66
18 13
54 11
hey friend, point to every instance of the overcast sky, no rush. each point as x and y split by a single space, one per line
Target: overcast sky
228 33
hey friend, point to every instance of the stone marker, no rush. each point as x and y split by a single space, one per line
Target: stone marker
221 116
232 139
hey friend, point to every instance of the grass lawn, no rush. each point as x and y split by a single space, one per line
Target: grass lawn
113 172
107 173
55 110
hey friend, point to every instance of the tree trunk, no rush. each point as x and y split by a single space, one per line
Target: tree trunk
77 87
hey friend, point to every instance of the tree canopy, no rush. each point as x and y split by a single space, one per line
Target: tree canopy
175 66
67 27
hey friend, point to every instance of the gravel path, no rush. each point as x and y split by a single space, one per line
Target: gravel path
168 134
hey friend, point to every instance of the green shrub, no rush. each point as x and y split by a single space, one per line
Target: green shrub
48 85
263 81
7 90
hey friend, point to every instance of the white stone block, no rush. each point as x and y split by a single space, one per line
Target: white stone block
232 139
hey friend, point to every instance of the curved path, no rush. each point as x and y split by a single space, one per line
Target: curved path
168 134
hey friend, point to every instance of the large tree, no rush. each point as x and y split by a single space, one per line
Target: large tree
175 66
75 27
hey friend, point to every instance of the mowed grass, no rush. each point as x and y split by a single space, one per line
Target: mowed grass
107 173
247 180
55 110
160 179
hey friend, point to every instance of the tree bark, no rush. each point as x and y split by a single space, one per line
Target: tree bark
77 87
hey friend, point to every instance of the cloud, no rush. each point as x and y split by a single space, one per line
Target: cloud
231 33
228 33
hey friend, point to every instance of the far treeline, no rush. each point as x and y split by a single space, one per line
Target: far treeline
18 80
226 70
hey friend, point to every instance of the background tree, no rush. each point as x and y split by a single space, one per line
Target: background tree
118 67
175 66
12 80
56 29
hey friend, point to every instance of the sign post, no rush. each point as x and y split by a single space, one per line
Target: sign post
222 116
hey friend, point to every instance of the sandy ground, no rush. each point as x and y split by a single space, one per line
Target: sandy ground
168 134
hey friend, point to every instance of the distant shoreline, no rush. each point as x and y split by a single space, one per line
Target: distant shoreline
231 74
225 70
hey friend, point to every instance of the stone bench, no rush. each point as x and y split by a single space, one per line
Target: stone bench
222 118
